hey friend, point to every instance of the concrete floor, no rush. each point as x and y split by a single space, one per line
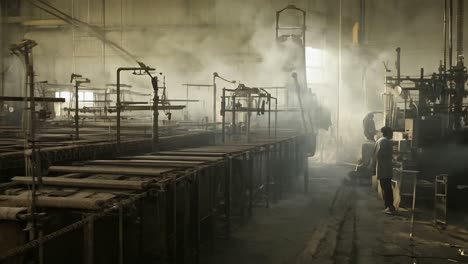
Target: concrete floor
336 222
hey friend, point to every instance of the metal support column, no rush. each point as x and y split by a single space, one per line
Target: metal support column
77 111
88 242
276 116
269 114
78 81
234 128
223 115
155 139
118 104
121 236
249 106
228 197
214 101
251 181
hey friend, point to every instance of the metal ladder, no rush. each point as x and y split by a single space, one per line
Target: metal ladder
440 200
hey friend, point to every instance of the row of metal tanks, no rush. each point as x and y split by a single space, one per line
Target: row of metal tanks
65 152
162 207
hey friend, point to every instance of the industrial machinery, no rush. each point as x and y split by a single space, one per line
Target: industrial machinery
429 116
254 100
96 187
214 90
78 81
291 37
164 206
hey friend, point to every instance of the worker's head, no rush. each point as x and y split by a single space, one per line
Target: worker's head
387 132
370 115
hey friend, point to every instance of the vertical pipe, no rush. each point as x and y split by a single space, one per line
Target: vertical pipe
140 236
268 176
41 248
163 210
304 30
242 184
223 115
413 204
445 200
121 22
398 65
404 111
88 242
227 196
214 101
450 34
277 24
2 42
460 18
269 115
276 115
77 118
299 99
436 199
32 133
445 36
197 199
104 35
105 102
421 76
174 224
340 11
234 128
304 69
117 106
154 82
73 31
450 55
251 181
121 236
459 69
306 172
213 205
445 93
187 98
362 21
249 105
32 104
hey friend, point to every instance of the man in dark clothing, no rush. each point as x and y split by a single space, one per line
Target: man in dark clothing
368 126
384 159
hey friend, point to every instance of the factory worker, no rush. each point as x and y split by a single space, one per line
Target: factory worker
368 126
384 161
